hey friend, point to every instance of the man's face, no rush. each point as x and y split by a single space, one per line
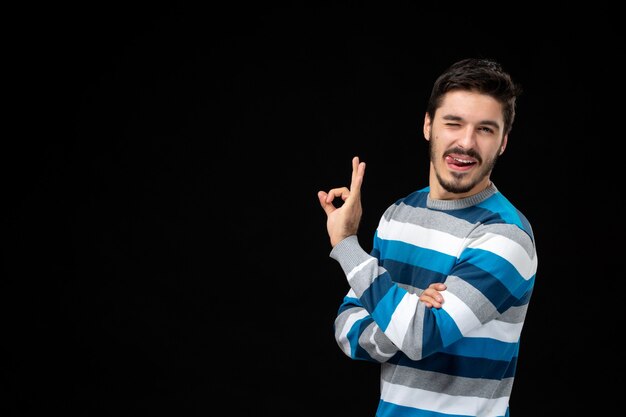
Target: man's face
465 139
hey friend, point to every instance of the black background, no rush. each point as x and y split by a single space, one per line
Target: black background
166 253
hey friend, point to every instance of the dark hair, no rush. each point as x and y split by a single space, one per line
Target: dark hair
484 76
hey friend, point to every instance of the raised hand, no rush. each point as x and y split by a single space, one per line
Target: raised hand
343 220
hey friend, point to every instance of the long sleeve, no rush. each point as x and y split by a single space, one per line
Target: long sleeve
365 327
358 335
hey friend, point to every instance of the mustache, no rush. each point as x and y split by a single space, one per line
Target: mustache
460 151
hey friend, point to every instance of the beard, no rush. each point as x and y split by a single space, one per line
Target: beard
457 185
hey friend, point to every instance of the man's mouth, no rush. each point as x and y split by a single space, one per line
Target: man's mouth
460 162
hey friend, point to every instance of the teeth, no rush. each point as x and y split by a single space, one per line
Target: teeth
463 161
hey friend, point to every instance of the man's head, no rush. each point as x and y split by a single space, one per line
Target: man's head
482 76
469 116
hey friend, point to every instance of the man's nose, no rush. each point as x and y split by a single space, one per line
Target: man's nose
467 137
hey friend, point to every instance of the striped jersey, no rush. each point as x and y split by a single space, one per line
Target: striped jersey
460 359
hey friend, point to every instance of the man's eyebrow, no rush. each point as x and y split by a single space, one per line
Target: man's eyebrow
454 118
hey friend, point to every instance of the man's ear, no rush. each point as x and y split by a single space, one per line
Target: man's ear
427 126
505 140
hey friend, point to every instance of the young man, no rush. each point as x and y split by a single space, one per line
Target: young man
441 299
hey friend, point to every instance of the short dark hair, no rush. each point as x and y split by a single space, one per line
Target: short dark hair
481 75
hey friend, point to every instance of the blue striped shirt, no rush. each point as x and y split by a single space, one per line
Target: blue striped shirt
460 359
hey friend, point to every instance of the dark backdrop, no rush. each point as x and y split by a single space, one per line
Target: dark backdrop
168 254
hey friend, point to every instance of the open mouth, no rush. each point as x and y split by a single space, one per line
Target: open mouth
460 162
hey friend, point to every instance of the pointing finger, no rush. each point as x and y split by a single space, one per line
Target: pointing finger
327 206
